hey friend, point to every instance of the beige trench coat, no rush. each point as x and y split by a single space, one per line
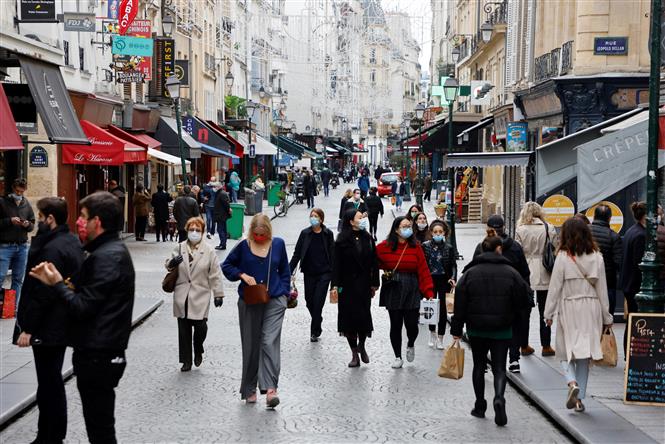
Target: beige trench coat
532 239
196 281
581 309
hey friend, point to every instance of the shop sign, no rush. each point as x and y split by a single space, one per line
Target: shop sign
516 136
143 64
125 45
558 208
38 11
610 46
549 134
252 151
616 222
182 72
112 11
38 157
129 77
23 107
164 65
79 21
126 15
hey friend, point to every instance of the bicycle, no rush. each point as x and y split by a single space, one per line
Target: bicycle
282 207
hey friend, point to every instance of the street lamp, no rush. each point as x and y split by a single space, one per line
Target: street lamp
173 87
486 31
282 104
228 79
450 90
168 23
293 128
407 158
455 54
262 92
251 109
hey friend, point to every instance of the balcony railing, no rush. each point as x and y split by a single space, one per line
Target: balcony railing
556 62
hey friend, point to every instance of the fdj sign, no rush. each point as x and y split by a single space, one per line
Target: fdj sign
124 45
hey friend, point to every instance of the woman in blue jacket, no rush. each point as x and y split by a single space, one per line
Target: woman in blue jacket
260 324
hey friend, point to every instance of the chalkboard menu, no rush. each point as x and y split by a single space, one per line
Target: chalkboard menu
645 364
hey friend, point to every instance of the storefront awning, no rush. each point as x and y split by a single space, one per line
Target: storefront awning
225 134
148 141
286 144
312 155
216 152
206 136
414 137
261 146
612 162
53 102
9 136
482 124
104 149
464 160
166 159
331 150
135 149
556 161
167 134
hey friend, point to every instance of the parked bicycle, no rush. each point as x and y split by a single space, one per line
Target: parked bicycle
282 207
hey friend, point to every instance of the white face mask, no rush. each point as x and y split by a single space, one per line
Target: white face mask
194 236
422 226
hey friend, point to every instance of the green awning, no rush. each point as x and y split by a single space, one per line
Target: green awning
313 155
289 146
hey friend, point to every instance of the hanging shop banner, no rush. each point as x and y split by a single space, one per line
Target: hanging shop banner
129 77
126 15
112 11
124 45
135 63
182 71
164 65
616 222
37 11
38 157
516 136
558 208
79 21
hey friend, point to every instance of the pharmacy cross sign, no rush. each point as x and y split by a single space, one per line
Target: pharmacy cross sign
437 90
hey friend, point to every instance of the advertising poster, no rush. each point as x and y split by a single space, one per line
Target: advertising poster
130 65
516 137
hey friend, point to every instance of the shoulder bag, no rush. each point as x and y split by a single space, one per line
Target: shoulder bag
169 281
549 255
389 285
258 294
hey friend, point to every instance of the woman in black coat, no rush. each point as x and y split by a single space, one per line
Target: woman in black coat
314 251
160 206
354 282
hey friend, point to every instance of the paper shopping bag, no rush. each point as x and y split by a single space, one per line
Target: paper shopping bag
429 311
608 344
452 365
450 301
9 304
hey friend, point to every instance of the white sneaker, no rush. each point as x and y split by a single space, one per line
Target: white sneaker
432 339
439 343
398 363
410 354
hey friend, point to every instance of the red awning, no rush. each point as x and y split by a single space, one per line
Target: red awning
239 149
9 136
148 141
135 149
104 149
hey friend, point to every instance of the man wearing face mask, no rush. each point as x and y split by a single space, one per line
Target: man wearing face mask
99 300
42 318
16 220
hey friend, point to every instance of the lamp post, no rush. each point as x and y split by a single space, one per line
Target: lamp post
278 125
173 87
250 108
450 90
227 84
407 158
651 299
419 184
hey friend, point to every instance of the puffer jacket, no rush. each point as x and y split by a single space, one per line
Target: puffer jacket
489 295
514 253
611 247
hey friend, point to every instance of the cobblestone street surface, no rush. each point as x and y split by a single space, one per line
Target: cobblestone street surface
322 399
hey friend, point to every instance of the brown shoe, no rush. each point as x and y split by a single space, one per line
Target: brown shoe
526 351
548 351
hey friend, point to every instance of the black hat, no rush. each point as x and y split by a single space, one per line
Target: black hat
495 221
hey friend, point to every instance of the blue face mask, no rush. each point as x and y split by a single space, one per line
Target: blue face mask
405 233
438 238
314 221
364 224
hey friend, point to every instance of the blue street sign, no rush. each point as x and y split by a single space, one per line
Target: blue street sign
138 46
252 151
610 46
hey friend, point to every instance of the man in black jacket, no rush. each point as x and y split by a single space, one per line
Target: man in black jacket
184 208
160 204
610 246
221 213
515 254
42 319
374 208
99 299
488 298
16 220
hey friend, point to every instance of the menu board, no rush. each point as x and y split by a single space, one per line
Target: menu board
645 365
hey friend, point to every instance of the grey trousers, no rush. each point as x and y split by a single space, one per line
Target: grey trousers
260 335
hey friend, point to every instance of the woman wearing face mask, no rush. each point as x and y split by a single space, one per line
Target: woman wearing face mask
314 251
421 231
356 203
414 211
354 281
442 262
199 277
348 194
401 256
260 259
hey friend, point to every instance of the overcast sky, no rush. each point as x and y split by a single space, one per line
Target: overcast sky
420 12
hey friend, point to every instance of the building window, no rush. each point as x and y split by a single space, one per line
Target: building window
82 59
372 56
65 49
372 76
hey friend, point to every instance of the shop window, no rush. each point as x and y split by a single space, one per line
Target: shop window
65 49
82 59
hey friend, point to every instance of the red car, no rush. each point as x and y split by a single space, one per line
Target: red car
386 182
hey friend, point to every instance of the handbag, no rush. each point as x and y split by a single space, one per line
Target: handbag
452 364
292 300
390 286
258 294
393 199
429 312
608 345
549 255
169 281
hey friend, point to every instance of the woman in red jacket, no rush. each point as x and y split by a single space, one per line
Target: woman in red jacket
402 258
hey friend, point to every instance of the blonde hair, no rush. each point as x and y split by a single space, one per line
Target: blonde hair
530 211
260 220
348 193
195 221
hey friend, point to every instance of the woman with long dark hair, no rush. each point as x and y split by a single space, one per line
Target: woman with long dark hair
421 228
414 211
578 296
355 279
403 261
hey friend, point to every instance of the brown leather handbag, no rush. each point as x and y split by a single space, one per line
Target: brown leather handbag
258 294
169 281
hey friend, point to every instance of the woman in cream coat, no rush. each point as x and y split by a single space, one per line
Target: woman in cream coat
578 296
199 277
531 235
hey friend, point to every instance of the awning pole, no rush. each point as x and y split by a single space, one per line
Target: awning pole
651 299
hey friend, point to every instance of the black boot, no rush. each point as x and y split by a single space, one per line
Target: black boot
186 367
479 409
363 353
500 417
355 362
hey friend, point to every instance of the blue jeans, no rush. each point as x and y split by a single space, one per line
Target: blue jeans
210 221
221 230
398 201
234 195
14 257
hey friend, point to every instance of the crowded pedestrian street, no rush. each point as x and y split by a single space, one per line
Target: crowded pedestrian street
322 399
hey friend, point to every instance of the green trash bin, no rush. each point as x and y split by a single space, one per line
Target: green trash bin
234 225
274 188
